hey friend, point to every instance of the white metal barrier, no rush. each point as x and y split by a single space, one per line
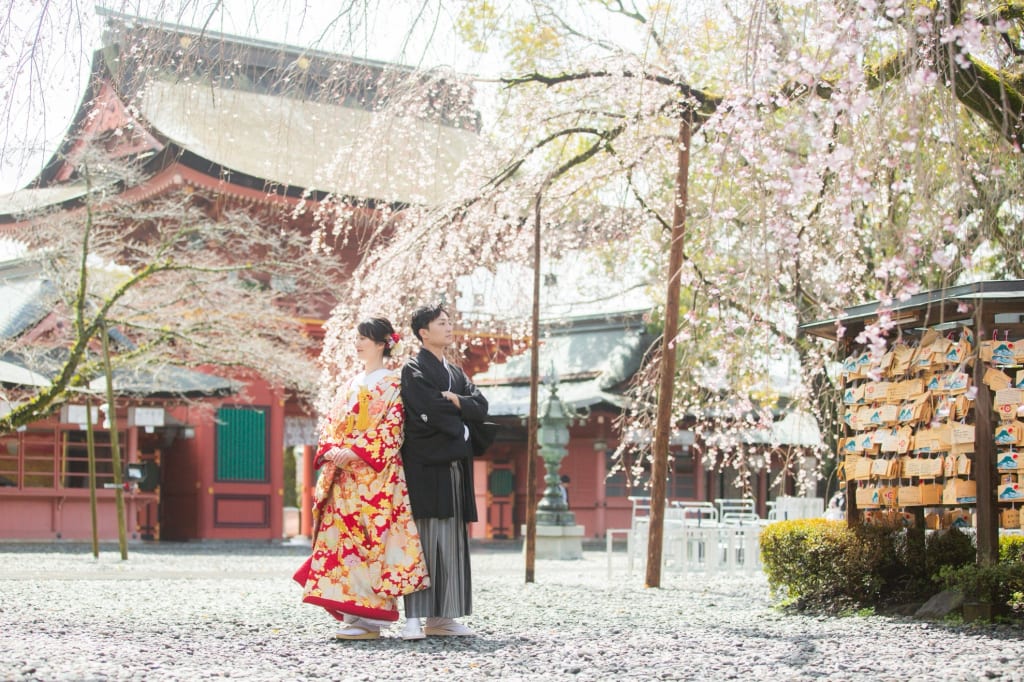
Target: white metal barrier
695 537
710 549
729 505
609 537
636 540
692 513
798 508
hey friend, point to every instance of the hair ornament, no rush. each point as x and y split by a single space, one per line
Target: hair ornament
394 344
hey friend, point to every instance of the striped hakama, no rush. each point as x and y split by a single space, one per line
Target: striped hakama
446 549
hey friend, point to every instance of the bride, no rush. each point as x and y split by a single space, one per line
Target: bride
366 549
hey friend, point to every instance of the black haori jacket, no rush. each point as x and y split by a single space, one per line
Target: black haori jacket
435 435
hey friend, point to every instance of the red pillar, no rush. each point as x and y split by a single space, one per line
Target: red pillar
308 481
600 491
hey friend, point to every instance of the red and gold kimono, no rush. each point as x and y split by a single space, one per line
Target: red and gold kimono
366 550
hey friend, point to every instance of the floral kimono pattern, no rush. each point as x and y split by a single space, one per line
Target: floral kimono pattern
366 549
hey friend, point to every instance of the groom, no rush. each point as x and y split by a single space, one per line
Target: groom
439 399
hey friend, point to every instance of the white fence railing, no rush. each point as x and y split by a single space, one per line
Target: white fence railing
697 536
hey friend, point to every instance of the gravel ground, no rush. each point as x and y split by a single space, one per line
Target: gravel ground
199 611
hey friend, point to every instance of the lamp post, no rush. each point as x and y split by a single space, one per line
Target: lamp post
554 418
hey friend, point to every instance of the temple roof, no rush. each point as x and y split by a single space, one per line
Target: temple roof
924 309
165 381
274 118
27 297
590 359
25 201
310 145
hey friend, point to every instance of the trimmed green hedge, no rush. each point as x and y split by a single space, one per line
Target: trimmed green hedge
827 565
1011 548
823 564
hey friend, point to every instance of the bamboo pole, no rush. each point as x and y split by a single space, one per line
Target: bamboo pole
115 450
531 424
663 424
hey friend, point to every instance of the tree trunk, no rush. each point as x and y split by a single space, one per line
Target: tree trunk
663 424
531 426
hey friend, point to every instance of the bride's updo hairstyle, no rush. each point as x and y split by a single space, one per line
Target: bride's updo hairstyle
379 330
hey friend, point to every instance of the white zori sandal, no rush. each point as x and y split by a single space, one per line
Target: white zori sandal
413 629
446 627
358 628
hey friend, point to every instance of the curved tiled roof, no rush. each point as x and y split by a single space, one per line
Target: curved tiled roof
273 117
308 144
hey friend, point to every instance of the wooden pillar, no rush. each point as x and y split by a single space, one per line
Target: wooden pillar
984 461
699 477
762 488
601 491
308 483
852 513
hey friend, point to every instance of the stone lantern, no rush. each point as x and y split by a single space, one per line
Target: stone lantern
558 536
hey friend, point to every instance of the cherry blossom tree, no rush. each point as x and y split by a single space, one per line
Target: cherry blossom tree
175 288
401 98
843 152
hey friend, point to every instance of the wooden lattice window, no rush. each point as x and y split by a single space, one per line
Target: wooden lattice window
241 444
